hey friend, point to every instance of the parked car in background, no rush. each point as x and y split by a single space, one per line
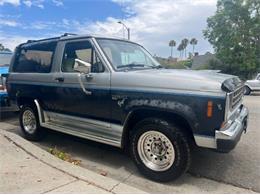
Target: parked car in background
5 58
252 85
114 92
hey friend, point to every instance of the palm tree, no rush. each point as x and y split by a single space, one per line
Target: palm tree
172 44
185 43
193 42
180 49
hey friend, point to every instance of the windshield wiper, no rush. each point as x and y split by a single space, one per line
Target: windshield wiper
132 65
157 66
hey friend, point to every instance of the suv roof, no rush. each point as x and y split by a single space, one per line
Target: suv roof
68 36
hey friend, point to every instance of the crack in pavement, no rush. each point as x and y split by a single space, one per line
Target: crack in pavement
124 180
60 186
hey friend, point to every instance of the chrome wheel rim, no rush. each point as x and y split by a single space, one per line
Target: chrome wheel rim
156 151
29 121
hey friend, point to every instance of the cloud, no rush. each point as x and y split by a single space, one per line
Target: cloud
30 3
7 22
11 41
36 3
58 3
153 23
12 2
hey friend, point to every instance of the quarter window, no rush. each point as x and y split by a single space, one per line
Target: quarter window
36 58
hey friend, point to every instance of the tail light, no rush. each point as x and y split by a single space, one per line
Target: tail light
2 84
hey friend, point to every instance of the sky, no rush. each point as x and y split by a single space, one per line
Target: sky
153 23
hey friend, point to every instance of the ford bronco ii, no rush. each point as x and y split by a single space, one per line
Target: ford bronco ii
113 91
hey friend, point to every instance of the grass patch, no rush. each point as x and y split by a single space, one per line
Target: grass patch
63 156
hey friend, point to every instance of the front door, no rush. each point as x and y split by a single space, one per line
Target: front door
81 94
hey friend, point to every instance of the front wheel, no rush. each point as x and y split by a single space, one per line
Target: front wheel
160 150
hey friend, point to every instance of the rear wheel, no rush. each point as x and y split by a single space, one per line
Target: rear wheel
160 149
247 90
29 123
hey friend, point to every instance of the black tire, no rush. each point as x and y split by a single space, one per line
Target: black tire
38 133
247 90
178 139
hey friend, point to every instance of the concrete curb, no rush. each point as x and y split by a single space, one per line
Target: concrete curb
105 183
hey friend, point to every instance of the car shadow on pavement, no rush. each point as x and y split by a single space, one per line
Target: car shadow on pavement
105 159
114 163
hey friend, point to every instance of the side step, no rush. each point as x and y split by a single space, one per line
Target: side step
81 127
79 133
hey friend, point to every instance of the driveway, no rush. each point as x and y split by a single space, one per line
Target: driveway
210 172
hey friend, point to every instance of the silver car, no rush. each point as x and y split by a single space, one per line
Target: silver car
252 85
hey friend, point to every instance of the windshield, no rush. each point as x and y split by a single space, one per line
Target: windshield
125 55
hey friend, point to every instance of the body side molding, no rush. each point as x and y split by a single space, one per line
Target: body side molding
94 130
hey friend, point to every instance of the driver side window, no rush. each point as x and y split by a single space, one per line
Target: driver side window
80 51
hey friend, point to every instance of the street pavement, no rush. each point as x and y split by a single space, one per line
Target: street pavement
211 172
26 168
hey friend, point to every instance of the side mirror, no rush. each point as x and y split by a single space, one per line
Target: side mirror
82 66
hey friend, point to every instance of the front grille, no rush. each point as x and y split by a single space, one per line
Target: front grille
236 97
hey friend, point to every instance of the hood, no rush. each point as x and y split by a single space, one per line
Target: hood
191 80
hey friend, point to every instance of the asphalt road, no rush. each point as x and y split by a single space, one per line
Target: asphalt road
240 167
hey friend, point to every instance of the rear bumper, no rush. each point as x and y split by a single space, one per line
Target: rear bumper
227 137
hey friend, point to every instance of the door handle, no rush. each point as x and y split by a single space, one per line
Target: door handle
82 85
59 79
89 76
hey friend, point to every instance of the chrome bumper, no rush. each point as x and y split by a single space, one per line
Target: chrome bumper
227 137
238 125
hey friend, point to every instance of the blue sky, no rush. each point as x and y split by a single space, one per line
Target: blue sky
153 23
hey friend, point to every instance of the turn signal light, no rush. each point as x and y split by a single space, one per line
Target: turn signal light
210 109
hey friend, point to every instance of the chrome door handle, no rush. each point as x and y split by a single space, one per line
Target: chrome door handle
89 76
82 85
59 79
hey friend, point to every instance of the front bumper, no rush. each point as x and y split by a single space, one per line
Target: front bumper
227 137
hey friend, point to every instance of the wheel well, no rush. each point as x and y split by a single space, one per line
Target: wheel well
24 100
248 87
141 114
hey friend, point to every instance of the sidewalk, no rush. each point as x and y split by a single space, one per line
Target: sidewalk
25 168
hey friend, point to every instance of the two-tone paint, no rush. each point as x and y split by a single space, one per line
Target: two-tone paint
114 97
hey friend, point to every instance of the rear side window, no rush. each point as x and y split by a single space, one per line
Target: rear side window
35 58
